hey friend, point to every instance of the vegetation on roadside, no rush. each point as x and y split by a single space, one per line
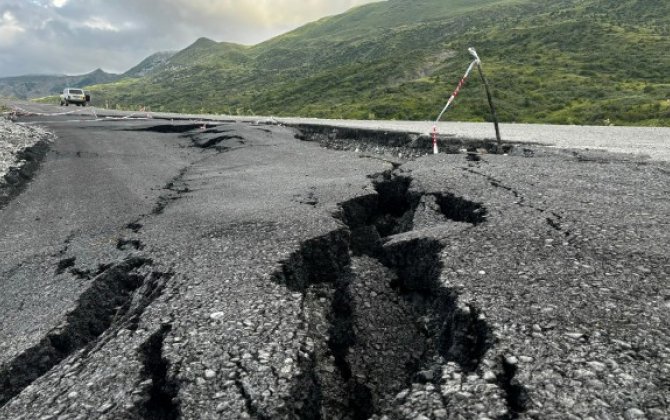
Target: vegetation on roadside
564 62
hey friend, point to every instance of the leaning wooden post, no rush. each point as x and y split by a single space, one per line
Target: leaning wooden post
488 95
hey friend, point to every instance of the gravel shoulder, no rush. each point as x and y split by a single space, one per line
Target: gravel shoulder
21 150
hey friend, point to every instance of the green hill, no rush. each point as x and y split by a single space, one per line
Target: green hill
561 61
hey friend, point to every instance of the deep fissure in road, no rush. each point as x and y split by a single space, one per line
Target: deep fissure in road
219 138
214 135
377 297
515 394
398 144
215 141
64 264
460 209
178 128
107 302
123 244
162 402
176 188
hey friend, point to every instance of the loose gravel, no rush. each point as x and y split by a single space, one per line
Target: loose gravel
21 147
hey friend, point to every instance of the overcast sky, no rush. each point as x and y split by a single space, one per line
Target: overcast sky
78 36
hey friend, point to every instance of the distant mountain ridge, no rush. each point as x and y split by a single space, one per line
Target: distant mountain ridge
564 61
37 86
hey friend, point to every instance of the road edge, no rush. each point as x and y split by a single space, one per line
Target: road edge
26 164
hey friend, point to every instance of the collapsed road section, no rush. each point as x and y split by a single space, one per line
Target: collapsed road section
387 320
280 279
395 144
107 303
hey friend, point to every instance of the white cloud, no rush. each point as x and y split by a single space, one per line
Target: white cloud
59 3
267 13
100 24
7 18
9 29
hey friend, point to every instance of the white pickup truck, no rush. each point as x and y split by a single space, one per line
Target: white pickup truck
73 96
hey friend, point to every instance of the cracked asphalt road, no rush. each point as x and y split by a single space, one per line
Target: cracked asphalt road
157 270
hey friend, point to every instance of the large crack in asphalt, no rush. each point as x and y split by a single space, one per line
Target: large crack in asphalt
117 296
399 145
208 139
516 394
553 219
162 403
215 141
373 305
218 138
176 188
375 310
178 128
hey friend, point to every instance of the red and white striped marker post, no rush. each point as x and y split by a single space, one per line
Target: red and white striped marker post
458 90
461 83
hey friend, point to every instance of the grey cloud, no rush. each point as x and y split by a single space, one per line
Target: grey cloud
115 35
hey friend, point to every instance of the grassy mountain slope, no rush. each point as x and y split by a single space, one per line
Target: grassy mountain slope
25 87
150 64
564 61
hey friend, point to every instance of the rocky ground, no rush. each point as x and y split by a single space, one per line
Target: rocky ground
267 277
21 148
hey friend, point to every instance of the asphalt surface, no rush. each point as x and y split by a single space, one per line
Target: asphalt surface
648 142
162 270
